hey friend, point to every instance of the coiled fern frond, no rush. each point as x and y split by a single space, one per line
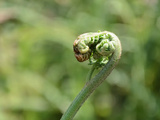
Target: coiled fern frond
102 49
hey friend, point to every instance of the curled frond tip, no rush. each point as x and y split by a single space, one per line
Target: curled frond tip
96 46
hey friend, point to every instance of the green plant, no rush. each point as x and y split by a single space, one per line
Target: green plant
102 49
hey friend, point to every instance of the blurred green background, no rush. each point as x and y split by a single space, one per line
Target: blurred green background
39 75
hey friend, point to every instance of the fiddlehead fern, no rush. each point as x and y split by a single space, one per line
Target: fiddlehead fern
95 46
102 49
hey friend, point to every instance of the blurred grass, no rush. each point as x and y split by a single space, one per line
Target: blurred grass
39 76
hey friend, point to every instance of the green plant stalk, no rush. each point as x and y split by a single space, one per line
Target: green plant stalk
93 84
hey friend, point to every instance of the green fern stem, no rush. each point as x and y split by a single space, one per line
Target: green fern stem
92 84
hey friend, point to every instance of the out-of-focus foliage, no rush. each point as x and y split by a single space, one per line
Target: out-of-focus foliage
39 76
